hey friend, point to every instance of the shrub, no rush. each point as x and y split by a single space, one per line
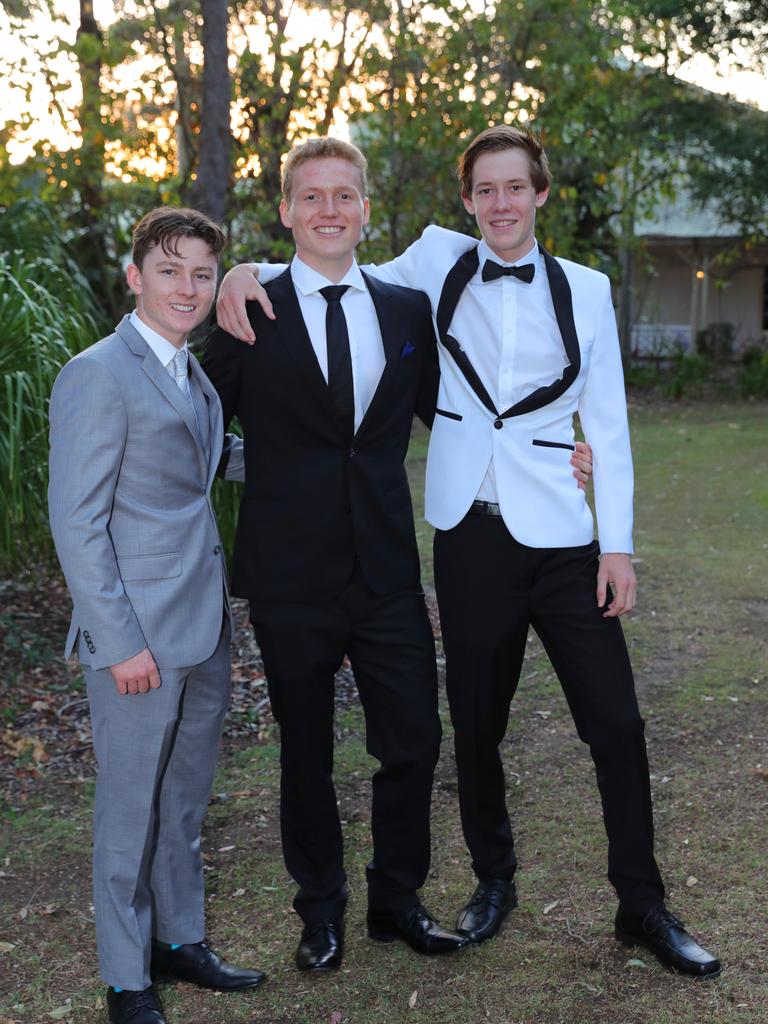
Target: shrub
47 314
754 377
716 342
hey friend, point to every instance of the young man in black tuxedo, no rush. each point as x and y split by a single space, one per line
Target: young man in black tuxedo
326 547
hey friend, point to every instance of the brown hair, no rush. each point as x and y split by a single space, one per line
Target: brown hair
167 224
314 149
505 136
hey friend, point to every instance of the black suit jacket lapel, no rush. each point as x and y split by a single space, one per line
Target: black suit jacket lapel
295 337
392 338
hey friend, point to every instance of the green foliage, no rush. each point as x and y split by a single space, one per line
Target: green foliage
716 341
47 314
754 377
687 372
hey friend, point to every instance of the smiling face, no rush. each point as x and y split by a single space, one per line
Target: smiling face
504 202
326 213
175 292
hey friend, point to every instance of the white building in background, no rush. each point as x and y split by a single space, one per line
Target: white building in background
694 270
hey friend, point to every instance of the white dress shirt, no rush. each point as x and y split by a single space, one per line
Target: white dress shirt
163 349
365 344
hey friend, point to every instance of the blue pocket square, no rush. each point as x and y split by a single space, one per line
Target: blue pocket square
408 350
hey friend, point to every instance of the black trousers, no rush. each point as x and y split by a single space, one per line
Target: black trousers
389 642
490 589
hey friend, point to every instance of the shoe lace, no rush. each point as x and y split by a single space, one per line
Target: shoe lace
487 894
148 998
659 919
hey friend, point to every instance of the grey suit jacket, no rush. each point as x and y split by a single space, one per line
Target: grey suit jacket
130 509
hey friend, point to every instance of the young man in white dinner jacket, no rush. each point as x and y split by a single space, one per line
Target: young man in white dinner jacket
525 342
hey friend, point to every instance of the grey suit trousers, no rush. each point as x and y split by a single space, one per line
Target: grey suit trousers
156 755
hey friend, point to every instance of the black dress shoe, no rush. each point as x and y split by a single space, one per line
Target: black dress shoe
196 962
482 917
134 1007
322 946
663 934
416 927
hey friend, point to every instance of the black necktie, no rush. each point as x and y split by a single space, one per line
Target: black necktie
493 270
339 358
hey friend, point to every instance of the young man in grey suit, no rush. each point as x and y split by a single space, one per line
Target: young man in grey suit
136 439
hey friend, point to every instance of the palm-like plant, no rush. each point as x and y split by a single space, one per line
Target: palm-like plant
47 314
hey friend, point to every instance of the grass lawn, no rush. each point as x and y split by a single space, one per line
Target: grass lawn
699 643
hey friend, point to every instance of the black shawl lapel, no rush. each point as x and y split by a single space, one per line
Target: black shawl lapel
457 280
455 283
563 303
295 337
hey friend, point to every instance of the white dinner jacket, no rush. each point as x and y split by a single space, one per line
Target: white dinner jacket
540 502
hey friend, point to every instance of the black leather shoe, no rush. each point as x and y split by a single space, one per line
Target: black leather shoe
665 936
197 963
134 1007
322 946
483 916
416 927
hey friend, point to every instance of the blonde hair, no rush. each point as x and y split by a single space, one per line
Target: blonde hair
314 149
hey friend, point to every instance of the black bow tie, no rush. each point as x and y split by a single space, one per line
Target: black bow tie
493 270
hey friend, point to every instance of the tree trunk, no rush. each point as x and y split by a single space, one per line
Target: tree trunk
88 174
211 189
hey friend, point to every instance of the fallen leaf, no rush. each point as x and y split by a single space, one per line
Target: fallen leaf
691 880
61 1012
413 997
635 963
23 912
238 892
550 906
225 849
50 908
6 947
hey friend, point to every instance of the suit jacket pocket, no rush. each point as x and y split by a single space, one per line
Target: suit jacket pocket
449 415
149 567
554 444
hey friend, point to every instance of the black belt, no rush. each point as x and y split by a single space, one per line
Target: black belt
484 508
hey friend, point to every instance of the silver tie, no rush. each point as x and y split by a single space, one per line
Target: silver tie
179 367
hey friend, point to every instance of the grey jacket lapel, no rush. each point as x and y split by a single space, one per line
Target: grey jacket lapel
214 428
163 381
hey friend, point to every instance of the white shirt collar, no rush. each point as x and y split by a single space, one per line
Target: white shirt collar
309 281
484 252
163 349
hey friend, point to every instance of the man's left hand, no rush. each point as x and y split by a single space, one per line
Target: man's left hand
581 460
617 570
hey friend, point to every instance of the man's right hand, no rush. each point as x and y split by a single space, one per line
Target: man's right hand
239 286
137 674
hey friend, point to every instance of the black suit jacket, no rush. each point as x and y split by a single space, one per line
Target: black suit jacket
314 505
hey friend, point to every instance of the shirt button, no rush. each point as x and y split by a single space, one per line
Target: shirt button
352 453
217 549
498 424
